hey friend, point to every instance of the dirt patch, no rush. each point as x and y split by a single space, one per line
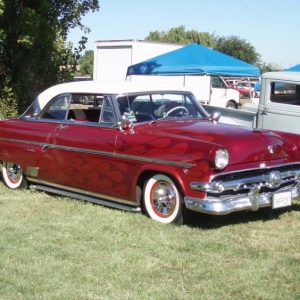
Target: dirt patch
245 100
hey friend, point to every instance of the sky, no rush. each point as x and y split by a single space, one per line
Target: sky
272 27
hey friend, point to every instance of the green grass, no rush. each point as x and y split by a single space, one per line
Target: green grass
60 248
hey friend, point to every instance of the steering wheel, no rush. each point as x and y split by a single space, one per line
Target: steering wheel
175 108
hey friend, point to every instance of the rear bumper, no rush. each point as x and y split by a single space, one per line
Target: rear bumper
251 201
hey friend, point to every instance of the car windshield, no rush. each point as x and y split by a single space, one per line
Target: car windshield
147 107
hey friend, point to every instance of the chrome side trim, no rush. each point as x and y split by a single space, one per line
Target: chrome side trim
60 188
251 201
22 141
84 197
125 156
45 147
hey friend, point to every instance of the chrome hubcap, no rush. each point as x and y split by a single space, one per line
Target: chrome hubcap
14 172
163 199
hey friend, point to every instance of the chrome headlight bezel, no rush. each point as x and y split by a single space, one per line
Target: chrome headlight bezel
221 158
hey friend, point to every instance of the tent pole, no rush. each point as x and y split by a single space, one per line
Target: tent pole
210 90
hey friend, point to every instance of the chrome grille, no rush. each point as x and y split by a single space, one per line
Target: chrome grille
266 179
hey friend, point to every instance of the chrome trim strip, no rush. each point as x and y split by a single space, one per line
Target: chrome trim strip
244 183
22 141
74 191
104 153
86 198
294 164
252 201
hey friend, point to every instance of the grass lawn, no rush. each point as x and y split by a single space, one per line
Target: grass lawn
59 248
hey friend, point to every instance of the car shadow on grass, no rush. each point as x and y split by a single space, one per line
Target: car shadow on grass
204 221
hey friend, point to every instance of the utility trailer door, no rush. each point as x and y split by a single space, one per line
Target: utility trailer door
112 62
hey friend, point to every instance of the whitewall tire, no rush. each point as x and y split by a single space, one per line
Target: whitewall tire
13 176
162 200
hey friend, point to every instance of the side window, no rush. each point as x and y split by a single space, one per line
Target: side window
124 107
285 93
141 105
284 88
107 114
57 109
216 82
33 111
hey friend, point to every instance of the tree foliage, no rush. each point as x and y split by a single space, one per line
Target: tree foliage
33 50
269 67
232 45
179 35
86 63
238 48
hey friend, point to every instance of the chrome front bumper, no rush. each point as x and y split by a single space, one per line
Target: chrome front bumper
251 201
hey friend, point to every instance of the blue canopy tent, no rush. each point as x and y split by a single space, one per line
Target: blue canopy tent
294 68
194 59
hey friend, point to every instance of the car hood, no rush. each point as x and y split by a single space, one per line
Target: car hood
243 144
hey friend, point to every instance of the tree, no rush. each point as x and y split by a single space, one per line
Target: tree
180 36
238 48
232 45
86 63
33 50
268 67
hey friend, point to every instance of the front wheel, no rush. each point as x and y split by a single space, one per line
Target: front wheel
231 104
13 176
162 200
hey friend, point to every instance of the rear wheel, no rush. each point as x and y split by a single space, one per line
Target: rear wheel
86 100
231 104
13 176
162 200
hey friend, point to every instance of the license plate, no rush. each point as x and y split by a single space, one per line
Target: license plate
282 199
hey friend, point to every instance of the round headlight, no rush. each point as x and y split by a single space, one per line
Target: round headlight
221 159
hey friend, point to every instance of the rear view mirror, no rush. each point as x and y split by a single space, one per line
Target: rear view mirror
215 115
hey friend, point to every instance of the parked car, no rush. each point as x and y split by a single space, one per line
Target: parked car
231 83
146 147
244 87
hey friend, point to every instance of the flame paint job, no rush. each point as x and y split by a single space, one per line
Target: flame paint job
109 161
112 162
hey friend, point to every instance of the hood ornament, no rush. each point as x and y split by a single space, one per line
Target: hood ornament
271 149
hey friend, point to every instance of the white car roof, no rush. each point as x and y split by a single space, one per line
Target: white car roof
105 87
285 75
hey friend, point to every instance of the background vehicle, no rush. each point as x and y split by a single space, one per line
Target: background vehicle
112 58
231 82
278 107
245 87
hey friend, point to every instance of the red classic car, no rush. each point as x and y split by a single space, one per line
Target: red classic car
243 88
146 147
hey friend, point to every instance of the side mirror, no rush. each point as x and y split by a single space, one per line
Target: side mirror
125 123
215 116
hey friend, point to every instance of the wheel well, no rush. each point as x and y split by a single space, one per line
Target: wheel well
145 176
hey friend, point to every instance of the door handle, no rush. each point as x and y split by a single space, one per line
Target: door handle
62 126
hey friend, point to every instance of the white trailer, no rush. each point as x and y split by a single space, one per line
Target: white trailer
112 58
